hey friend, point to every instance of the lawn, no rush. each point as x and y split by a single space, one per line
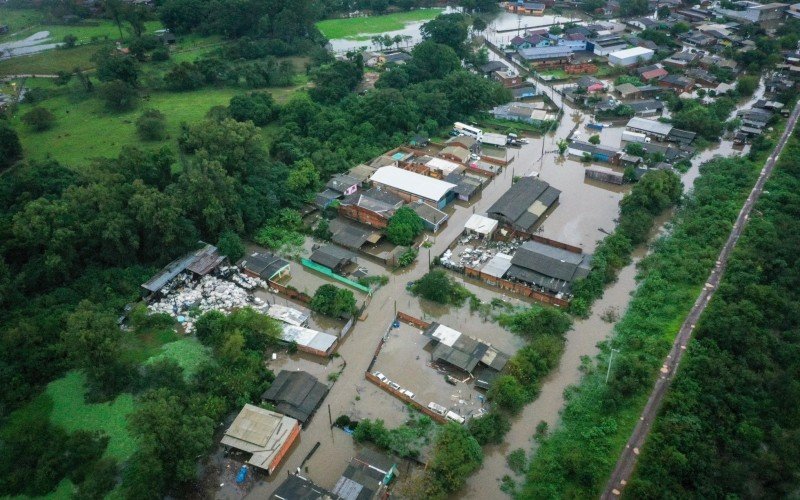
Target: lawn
50 62
188 353
24 23
84 129
344 28
71 412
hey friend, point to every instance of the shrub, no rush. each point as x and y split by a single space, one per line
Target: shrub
119 96
39 119
333 301
152 125
404 226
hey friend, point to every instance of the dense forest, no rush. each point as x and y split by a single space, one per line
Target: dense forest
729 425
77 240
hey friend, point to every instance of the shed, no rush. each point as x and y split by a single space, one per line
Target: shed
308 340
199 262
265 265
497 265
352 235
629 57
333 257
297 487
288 315
431 217
296 394
265 434
481 225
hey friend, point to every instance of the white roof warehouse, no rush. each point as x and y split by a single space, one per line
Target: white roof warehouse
412 186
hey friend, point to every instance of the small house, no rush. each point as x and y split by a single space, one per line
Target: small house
677 82
334 258
431 217
480 225
297 394
525 203
266 435
266 266
373 207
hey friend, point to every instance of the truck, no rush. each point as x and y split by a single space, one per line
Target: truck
634 137
595 126
498 140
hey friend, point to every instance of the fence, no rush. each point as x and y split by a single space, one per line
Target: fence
289 292
517 288
411 320
402 397
329 273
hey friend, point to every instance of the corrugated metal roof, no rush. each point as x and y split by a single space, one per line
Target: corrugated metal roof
410 182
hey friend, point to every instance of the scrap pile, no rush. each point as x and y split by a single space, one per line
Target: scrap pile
468 256
210 293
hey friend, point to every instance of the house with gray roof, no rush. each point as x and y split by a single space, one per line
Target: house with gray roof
524 204
297 394
547 267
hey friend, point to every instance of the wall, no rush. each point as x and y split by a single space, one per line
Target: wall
290 292
517 288
363 215
285 448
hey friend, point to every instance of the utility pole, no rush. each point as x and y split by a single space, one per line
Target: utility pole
610 362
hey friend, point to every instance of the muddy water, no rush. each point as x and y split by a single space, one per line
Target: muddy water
581 340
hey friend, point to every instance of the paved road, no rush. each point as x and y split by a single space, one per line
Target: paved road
627 460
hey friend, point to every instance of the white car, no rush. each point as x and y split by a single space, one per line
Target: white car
407 393
380 376
394 385
473 156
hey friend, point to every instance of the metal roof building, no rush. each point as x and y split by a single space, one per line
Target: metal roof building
525 202
463 351
333 257
548 267
414 185
309 340
481 225
296 394
265 434
649 127
265 265
296 487
288 315
200 262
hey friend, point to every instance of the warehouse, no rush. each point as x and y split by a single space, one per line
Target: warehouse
547 267
629 57
265 434
651 128
524 204
413 187
308 340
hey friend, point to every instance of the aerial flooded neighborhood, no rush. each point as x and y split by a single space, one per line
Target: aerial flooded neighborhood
372 249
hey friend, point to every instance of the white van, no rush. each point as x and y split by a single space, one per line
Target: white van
407 393
455 417
441 410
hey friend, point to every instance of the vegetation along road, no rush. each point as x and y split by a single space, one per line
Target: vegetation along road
627 460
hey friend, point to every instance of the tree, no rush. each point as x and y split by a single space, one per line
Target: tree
507 393
404 226
303 180
184 76
119 96
456 455
115 66
69 41
439 287
478 25
230 245
664 12
448 29
490 428
152 125
562 146
595 139
333 301
39 119
746 85
258 107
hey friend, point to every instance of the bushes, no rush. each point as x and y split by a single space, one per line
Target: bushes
333 301
10 147
490 428
257 107
152 125
404 226
119 96
439 287
404 441
39 119
507 393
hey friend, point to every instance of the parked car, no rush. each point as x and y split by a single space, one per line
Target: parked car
380 377
394 385
407 393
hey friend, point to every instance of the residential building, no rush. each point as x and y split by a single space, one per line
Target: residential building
366 477
524 204
288 315
524 8
682 137
297 487
629 57
702 77
296 394
523 91
265 434
651 72
480 225
431 217
649 107
547 267
373 207
546 55
605 45
677 83
467 185
523 112
597 152
462 351
413 187
651 128
333 257
338 187
766 15
681 59
590 84
353 235
309 340
508 78
265 265
630 91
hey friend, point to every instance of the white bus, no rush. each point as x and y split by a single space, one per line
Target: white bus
468 130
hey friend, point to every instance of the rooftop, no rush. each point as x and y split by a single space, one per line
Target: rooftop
410 182
260 432
524 202
296 394
651 126
548 266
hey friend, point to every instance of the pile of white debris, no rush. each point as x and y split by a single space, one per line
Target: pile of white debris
210 293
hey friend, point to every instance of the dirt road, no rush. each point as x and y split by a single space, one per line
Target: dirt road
627 460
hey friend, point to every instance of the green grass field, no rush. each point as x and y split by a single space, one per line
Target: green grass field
71 412
85 130
24 23
188 353
345 28
50 62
